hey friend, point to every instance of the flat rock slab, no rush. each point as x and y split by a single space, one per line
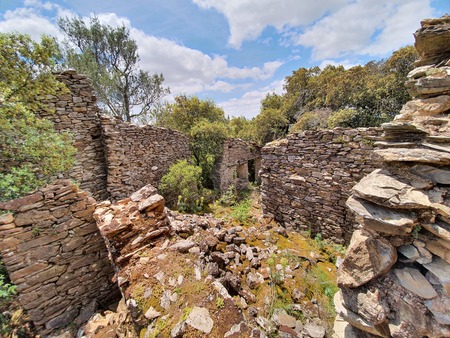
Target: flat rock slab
200 319
367 258
182 245
353 318
440 268
437 175
413 155
439 229
381 219
410 252
314 331
414 281
440 308
425 107
381 188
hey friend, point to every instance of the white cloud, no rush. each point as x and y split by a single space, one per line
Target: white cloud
345 63
186 70
399 27
352 28
28 21
248 18
331 28
248 105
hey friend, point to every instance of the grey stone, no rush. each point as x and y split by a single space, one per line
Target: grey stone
381 188
440 308
286 320
410 252
382 219
182 245
413 155
200 319
352 317
254 279
152 313
178 330
440 229
415 282
235 329
440 268
314 331
367 258
437 175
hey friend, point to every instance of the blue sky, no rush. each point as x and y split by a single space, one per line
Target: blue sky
236 51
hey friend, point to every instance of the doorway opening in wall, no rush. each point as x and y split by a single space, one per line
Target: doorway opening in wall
251 171
241 171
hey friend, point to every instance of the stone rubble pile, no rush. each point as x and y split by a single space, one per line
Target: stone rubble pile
131 224
395 279
198 275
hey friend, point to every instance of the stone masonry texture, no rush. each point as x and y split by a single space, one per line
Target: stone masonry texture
55 255
307 177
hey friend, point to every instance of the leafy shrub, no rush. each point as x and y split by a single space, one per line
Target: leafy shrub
31 151
241 210
228 197
181 186
343 118
7 290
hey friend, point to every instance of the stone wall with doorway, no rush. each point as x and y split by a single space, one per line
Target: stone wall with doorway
239 164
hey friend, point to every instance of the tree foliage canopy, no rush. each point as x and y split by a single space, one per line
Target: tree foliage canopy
205 125
109 56
313 98
31 151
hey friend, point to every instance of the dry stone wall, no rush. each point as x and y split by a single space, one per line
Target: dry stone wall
113 158
307 177
76 112
395 279
137 156
239 160
55 255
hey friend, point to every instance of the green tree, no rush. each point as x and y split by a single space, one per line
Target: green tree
205 125
271 123
206 144
187 111
182 186
242 128
361 96
31 151
110 58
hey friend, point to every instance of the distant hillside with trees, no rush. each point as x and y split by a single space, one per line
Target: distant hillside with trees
314 98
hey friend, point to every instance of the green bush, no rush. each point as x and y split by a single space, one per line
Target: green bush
344 118
181 186
31 151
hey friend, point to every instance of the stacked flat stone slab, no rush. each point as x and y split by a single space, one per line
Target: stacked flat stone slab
395 279
137 156
55 255
307 177
77 112
233 166
132 224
